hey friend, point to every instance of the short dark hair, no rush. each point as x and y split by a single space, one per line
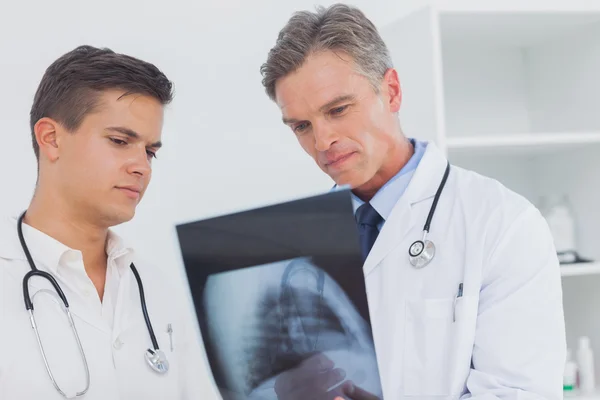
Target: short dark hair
71 86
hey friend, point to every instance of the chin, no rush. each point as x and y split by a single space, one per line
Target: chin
349 180
118 216
126 216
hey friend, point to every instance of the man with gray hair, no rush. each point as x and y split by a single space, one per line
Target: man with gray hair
481 319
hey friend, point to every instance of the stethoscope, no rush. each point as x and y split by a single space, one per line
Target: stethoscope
155 358
421 252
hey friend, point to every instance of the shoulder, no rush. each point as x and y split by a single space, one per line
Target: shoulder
163 283
489 201
159 269
485 193
164 276
12 258
494 213
507 226
9 242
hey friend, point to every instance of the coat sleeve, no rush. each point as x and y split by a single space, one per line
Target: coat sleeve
520 345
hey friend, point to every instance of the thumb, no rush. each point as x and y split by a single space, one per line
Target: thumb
356 393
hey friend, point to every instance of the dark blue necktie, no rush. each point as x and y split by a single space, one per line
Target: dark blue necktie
367 219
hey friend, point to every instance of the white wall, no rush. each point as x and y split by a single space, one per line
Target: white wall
218 130
221 127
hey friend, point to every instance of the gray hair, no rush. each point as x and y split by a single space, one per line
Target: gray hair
337 28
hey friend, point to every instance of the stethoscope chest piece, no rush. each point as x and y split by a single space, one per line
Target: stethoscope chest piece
421 252
157 360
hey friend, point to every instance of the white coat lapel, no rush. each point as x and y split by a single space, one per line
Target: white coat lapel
402 220
393 232
128 310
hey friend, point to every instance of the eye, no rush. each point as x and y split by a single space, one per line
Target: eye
151 154
338 110
118 141
301 127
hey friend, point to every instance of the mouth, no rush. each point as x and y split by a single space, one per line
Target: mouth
337 162
132 192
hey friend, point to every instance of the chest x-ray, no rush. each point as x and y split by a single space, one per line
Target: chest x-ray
297 311
274 288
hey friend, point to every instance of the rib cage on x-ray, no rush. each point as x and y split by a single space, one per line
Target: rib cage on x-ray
308 313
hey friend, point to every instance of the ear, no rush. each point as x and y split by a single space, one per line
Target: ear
391 87
47 137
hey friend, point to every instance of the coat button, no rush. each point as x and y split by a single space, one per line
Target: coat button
117 344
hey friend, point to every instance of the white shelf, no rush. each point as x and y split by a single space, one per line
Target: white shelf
529 143
576 396
500 74
580 269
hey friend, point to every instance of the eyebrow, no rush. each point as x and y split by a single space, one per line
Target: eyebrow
132 134
338 99
325 107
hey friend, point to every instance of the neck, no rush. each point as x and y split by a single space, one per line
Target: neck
398 156
51 215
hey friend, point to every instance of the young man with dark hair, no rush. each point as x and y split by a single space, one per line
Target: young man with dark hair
96 124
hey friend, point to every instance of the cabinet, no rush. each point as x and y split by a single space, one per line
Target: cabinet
512 91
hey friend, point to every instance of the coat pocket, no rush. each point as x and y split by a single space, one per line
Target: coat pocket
438 345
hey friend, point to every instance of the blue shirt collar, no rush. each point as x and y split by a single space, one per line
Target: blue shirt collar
386 198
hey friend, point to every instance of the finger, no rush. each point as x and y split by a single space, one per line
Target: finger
328 379
361 394
309 393
318 362
308 370
355 393
313 384
306 376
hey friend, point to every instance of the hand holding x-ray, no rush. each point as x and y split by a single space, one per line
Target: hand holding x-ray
317 378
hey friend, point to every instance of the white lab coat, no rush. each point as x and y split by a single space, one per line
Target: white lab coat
508 340
115 357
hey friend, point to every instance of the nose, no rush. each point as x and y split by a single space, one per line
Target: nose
139 163
325 136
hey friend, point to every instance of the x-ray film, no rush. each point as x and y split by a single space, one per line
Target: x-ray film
280 297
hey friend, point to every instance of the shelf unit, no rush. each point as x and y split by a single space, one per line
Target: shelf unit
583 269
578 396
512 91
524 143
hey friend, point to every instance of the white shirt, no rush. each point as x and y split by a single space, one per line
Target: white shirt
113 332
